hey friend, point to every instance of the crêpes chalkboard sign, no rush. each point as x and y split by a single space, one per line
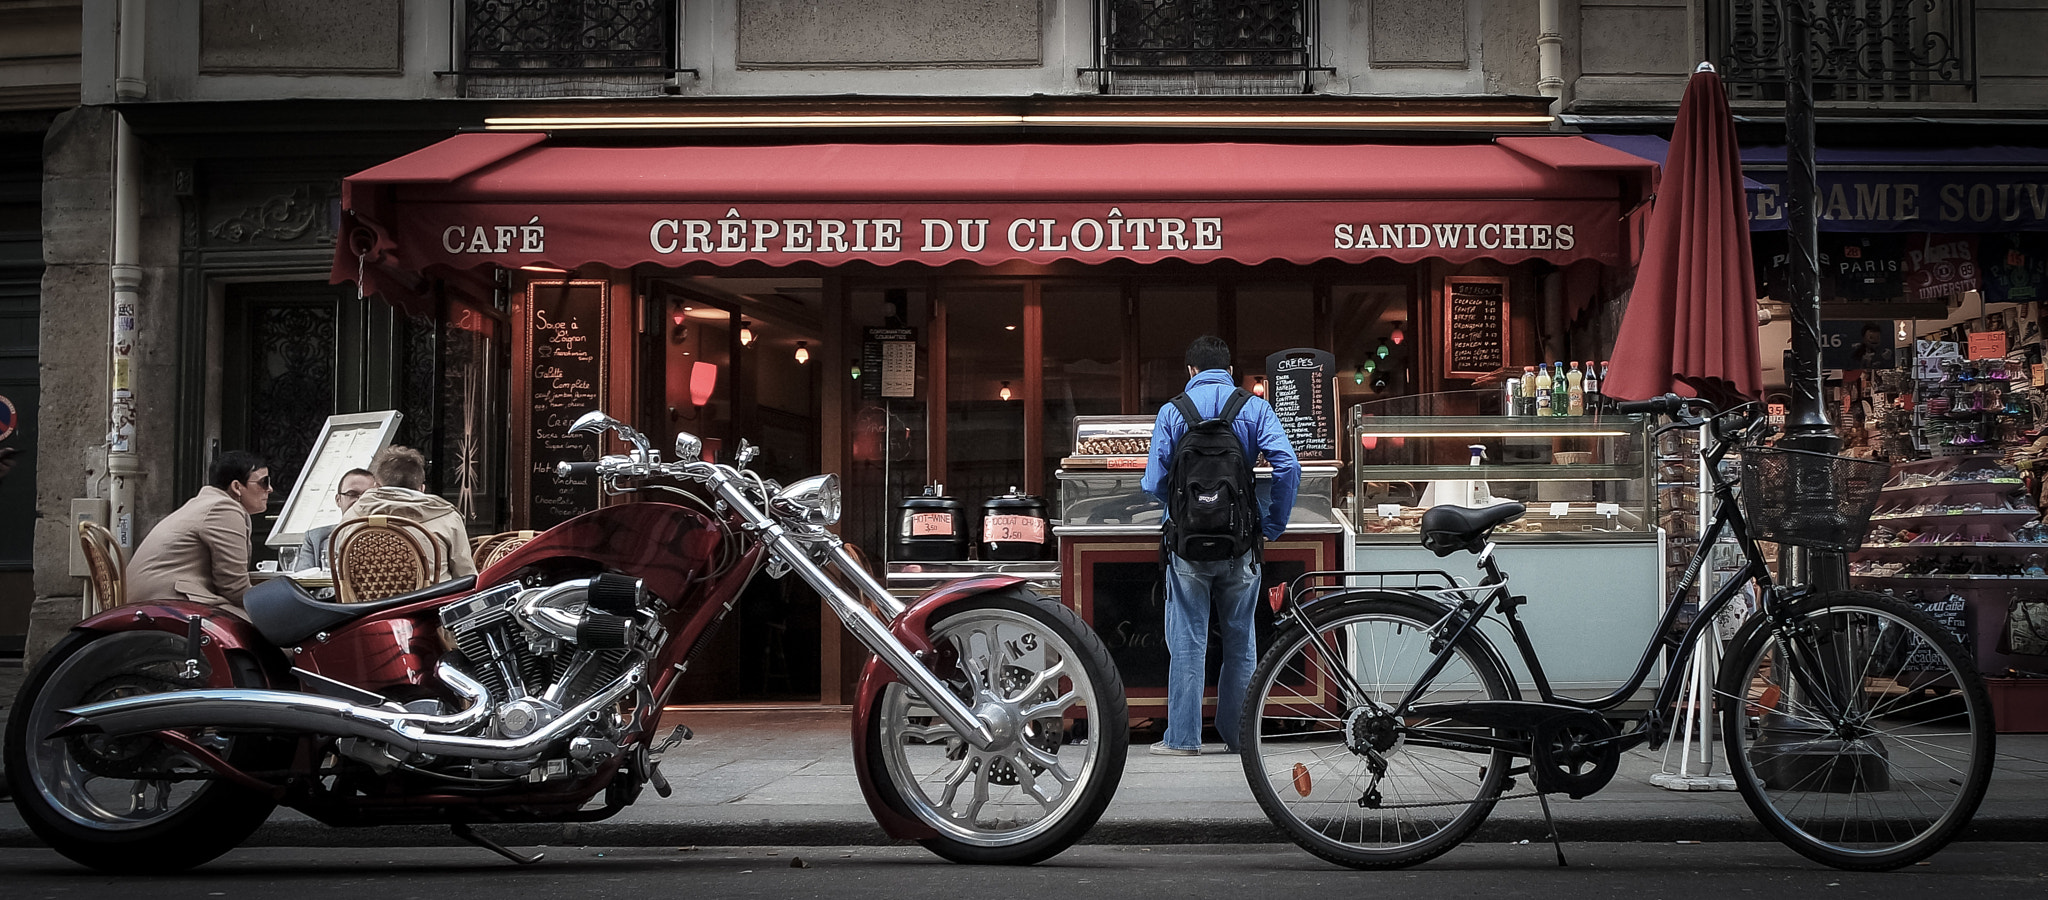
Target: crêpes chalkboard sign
561 376
1299 387
1475 326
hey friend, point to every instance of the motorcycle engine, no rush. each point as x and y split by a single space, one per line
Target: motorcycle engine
542 650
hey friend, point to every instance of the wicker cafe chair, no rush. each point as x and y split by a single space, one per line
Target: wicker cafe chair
375 557
107 570
495 547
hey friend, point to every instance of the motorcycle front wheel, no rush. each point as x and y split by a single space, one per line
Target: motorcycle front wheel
126 805
1047 686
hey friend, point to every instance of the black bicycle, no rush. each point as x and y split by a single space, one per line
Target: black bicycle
1383 724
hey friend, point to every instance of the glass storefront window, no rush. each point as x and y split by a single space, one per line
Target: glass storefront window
1361 317
1272 318
1170 316
984 359
1083 363
890 443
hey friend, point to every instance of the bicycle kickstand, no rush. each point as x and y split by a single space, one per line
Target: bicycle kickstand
1555 841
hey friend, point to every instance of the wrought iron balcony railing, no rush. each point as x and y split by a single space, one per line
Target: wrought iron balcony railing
1273 38
1861 50
578 39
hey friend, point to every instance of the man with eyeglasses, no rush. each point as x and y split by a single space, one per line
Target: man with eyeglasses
313 550
201 552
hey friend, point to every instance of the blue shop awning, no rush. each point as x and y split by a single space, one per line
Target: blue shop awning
1898 189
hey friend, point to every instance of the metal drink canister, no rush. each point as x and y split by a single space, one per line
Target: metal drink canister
1013 526
931 527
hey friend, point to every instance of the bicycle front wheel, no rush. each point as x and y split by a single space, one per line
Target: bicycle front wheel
1354 782
1859 732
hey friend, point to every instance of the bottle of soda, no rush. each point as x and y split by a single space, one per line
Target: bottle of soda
1575 391
1560 393
1542 389
1593 388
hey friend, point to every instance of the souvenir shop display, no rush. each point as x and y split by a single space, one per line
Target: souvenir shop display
1958 530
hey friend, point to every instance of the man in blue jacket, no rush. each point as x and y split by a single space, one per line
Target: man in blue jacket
1230 586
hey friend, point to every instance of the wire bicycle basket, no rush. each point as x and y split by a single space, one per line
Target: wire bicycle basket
1809 499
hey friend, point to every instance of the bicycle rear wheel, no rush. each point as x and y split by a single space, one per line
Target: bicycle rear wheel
1307 729
1861 736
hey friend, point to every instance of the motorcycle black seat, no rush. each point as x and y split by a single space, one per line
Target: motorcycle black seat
286 613
1449 529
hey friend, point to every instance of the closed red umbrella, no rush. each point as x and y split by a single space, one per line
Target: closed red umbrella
1691 320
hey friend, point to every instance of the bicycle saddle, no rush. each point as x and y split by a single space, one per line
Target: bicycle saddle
1449 529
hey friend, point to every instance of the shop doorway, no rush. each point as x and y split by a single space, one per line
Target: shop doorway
742 359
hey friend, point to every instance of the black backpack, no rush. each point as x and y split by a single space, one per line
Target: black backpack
1212 509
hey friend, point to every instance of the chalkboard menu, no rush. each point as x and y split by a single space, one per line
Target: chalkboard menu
1475 326
1299 387
562 376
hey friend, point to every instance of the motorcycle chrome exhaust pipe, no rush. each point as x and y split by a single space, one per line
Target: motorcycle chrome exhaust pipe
291 711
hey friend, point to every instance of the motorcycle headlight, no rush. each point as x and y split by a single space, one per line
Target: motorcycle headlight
812 502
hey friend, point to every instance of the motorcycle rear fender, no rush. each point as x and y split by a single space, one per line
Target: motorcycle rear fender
221 632
913 630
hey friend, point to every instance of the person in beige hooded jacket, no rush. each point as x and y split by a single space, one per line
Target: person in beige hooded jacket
402 475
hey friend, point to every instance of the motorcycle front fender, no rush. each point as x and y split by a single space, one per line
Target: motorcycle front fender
913 630
221 632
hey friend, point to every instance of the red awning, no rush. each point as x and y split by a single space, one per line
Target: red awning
515 199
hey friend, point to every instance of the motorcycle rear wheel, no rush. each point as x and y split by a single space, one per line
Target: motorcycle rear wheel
1040 673
93 798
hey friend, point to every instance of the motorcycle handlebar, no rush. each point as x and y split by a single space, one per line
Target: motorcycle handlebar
575 469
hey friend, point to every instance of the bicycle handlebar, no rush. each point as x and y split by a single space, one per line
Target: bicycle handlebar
1656 406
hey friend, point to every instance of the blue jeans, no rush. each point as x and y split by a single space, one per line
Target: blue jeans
1230 587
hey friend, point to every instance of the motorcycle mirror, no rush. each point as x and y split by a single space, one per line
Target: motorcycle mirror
688 447
593 422
745 454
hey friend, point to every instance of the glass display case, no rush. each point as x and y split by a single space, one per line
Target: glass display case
1118 497
1578 474
1110 442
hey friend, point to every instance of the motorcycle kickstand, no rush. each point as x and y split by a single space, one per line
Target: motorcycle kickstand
1556 841
463 831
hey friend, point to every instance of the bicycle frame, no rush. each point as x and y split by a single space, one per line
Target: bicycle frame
1492 596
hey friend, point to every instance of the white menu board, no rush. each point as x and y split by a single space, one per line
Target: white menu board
346 442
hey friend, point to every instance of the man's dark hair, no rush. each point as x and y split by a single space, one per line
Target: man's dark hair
345 476
1873 329
1208 352
400 467
233 466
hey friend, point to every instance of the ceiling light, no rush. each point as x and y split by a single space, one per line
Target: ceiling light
802 355
746 333
1005 392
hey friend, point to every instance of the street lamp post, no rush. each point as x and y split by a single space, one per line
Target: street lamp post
1806 419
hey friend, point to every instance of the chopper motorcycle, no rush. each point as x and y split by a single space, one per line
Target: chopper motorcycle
990 724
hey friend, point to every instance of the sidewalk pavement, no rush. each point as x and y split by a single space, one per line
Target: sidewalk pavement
783 777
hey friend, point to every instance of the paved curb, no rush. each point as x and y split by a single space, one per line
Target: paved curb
843 832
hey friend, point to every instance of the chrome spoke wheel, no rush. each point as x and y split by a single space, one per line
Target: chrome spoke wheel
1046 694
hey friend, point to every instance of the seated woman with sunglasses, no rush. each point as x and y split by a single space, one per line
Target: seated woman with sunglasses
201 552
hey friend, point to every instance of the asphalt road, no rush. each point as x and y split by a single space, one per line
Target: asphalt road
1721 871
